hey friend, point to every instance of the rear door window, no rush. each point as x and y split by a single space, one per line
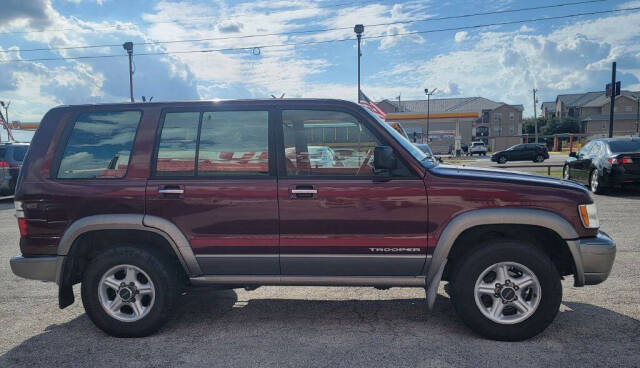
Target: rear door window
214 143
177 147
99 145
234 142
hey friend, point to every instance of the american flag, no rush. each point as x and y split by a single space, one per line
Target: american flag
5 125
366 102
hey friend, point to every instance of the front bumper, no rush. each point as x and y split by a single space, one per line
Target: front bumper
593 258
35 268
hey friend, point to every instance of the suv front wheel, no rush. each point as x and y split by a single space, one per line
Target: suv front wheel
128 291
506 290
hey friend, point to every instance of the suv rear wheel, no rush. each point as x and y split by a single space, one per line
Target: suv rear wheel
129 292
502 159
506 290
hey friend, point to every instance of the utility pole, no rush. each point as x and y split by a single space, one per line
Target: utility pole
129 47
359 29
426 92
638 115
613 98
535 114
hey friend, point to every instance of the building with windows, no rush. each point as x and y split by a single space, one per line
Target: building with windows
458 119
592 110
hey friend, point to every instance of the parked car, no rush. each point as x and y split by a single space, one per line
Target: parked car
322 156
478 148
11 157
522 152
605 163
119 198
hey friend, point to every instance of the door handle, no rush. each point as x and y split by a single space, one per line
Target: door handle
171 191
304 191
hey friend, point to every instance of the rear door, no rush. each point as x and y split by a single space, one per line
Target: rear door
214 177
343 218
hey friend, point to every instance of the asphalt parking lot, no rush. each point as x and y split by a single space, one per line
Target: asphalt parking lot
333 327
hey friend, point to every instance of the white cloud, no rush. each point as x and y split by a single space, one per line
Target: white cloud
461 36
507 65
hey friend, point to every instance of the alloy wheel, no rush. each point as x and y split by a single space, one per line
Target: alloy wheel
126 293
594 182
507 293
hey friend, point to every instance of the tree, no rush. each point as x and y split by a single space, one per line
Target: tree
550 126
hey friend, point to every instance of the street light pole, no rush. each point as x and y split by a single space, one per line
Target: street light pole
426 92
129 47
359 29
535 114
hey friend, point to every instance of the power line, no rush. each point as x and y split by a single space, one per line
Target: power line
191 20
308 31
333 40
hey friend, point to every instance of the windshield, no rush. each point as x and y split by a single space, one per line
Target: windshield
625 146
413 150
512 148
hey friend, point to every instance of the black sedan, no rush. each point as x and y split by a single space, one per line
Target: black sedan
605 163
522 152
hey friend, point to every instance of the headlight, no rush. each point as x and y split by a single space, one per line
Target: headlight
589 215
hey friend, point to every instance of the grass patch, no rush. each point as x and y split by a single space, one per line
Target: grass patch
554 173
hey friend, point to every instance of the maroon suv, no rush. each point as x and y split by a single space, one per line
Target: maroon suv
135 201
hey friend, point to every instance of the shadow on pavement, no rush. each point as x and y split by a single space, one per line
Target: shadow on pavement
216 328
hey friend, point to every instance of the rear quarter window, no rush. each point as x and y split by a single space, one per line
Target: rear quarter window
99 145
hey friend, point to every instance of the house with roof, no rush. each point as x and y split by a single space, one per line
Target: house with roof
592 110
458 121
548 110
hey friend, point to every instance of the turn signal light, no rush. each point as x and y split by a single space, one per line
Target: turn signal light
589 215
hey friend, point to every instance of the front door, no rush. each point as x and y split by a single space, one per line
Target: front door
338 217
580 166
214 178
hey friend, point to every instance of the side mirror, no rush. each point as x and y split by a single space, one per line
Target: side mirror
573 154
383 158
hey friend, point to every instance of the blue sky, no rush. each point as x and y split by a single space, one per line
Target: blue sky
502 63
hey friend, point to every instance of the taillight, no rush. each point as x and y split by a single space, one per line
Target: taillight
620 160
4 164
22 225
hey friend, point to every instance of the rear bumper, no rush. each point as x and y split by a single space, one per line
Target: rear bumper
594 259
35 268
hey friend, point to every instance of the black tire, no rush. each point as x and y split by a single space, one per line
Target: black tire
468 269
538 158
502 160
162 272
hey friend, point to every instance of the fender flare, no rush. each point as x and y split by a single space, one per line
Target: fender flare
497 216
160 226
